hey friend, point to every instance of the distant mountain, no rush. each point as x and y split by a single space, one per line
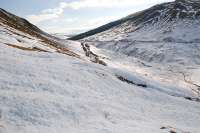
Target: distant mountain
173 21
63 35
60 35
166 33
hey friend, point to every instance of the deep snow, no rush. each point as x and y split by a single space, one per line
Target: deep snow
50 92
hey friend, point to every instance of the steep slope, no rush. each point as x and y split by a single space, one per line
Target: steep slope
177 20
165 33
165 38
21 32
51 92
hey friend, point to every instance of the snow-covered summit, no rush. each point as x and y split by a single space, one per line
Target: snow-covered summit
172 21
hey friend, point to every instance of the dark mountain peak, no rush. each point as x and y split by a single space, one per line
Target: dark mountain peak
187 1
181 1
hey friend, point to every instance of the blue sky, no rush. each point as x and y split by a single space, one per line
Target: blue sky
74 16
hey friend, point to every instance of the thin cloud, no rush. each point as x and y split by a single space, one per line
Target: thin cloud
106 3
81 25
53 13
47 14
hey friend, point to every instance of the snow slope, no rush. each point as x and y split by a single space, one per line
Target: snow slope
166 33
52 92
10 37
176 21
44 89
164 38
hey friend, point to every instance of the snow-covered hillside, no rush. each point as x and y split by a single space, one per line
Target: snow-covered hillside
19 33
169 22
52 92
57 89
167 33
166 37
173 31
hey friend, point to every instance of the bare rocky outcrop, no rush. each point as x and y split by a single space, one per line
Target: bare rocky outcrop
93 57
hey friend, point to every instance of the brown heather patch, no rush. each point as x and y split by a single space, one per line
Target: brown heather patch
26 49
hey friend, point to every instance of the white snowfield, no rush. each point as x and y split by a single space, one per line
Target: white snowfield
174 31
166 50
177 21
48 92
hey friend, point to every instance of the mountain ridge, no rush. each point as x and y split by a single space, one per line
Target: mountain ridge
167 12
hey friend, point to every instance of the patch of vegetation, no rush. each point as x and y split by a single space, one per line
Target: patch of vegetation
27 49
